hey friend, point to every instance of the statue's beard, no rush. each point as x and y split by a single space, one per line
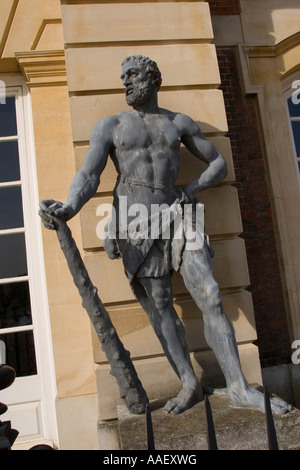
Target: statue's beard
136 96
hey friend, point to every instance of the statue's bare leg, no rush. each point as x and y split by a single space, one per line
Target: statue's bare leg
197 273
156 297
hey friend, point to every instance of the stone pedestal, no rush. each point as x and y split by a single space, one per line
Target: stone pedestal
235 428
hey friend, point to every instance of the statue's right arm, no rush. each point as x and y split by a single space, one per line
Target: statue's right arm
87 179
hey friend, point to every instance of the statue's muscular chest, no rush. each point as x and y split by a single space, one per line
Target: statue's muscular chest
151 132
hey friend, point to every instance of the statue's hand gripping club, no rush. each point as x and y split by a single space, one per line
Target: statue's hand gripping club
51 209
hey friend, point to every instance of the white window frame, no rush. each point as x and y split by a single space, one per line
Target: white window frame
15 85
288 91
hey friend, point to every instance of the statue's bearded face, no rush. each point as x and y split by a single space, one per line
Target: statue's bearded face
138 84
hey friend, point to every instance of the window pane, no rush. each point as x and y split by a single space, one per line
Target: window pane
296 132
9 161
8 122
15 307
294 108
20 354
11 210
13 255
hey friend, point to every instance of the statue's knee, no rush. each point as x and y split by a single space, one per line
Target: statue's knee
162 304
213 296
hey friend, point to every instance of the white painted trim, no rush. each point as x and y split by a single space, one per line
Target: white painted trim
15 83
44 339
10 231
287 93
11 138
16 329
10 184
9 280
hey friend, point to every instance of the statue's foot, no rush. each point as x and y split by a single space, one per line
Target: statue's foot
249 397
186 398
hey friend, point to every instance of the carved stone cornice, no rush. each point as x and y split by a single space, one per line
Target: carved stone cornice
43 68
265 51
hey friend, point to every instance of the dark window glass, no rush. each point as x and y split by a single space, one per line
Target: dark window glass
296 132
13 255
15 307
20 353
9 161
11 209
8 122
294 107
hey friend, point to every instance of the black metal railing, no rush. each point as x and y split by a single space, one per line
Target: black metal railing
9 435
210 427
272 438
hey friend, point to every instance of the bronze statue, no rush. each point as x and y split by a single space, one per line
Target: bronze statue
144 144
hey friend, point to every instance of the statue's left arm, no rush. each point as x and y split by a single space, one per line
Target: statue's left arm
200 147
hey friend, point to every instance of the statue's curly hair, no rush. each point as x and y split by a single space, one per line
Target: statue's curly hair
149 65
